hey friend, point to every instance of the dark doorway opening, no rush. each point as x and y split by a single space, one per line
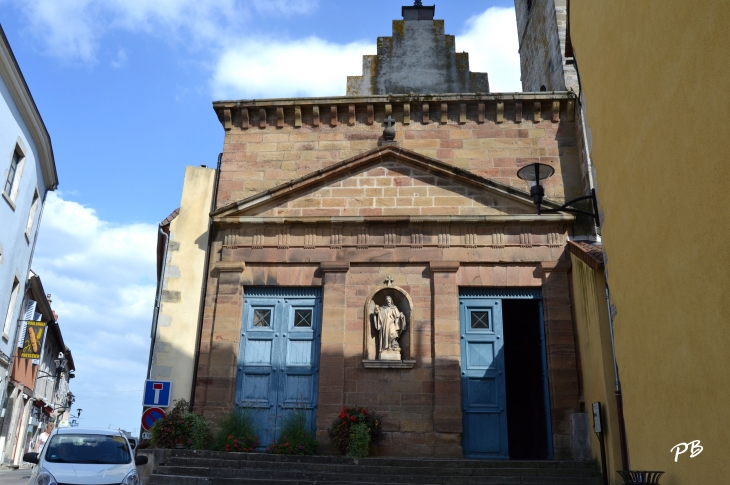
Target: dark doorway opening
523 358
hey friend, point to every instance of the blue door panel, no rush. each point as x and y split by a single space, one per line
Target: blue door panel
279 357
483 386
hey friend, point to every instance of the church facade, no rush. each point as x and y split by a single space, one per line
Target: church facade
379 250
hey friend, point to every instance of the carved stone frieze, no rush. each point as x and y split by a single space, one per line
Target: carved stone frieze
391 235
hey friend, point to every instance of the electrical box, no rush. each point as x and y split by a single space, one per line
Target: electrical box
597 425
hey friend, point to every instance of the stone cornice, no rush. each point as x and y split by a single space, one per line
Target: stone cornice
486 219
395 98
14 80
373 109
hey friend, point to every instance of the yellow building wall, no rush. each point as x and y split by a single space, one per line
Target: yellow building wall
593 335
655 75
174 352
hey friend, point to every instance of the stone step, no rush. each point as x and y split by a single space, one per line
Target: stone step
233 459
185 467
200 467
187 480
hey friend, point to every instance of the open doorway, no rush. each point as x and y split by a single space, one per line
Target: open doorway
525 371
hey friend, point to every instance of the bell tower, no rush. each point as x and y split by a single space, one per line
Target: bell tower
419 58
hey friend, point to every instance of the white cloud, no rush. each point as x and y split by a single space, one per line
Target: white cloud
493 47
286 7
121 59
315 67
73 29
102 278
306 67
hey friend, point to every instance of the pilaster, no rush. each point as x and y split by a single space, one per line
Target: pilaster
220 340
561 355
447 416
332 354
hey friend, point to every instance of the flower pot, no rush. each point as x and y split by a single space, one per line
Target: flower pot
635 477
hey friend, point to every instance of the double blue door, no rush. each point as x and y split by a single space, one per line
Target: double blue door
279 356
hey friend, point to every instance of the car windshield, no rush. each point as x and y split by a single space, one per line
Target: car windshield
88 448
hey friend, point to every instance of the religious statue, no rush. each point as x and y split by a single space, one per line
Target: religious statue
390 323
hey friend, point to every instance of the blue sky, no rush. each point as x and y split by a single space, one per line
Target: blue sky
125 88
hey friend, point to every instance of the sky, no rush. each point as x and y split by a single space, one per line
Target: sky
125 88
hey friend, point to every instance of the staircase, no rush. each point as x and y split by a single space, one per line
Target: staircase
186 467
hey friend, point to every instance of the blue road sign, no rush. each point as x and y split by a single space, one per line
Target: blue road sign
157 393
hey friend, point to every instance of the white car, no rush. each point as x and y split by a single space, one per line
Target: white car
76 456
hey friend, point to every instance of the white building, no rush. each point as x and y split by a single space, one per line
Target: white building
27 173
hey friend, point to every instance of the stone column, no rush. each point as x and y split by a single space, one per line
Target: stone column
332 353
215 389
447 414
561 355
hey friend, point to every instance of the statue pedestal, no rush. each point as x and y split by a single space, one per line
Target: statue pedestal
390 355
389 364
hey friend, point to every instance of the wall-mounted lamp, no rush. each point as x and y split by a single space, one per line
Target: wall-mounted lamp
534 173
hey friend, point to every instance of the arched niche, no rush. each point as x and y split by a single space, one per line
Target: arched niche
403 301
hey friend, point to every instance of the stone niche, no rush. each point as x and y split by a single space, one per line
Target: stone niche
372 357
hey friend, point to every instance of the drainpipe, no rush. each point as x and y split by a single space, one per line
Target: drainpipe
204 288
158 297
617 384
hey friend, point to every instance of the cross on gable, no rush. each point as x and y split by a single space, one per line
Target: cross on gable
389 121
389 280
418 3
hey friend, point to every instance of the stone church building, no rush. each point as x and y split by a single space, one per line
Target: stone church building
378 249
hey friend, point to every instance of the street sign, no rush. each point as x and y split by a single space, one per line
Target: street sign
146 435
150 416
157 393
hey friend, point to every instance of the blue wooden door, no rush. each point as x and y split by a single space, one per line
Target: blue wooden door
279 357
484 402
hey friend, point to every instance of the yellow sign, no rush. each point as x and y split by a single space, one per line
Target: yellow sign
33 340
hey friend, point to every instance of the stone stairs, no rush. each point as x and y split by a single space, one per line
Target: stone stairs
185 467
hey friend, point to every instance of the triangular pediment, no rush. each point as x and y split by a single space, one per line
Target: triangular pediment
385 182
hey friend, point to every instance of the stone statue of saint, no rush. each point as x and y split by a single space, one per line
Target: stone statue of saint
390 324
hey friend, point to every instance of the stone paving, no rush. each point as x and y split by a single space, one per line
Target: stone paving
15 477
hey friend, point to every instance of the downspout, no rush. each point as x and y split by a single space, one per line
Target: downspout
158 297
617 384
204 288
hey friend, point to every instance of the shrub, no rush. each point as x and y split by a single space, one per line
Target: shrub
295 439
181 427
245 445
237 431
341 432
358 444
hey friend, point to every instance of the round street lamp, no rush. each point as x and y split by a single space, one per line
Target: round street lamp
534 173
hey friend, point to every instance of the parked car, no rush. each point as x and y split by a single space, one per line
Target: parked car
77 456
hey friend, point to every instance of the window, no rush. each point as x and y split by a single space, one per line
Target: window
480 320
262 318
31 216
10 190
88 449
11 308
14 163
303 318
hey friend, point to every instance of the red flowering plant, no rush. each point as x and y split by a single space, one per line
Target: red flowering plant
244 445
356 419
295 438
181 428
237 433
